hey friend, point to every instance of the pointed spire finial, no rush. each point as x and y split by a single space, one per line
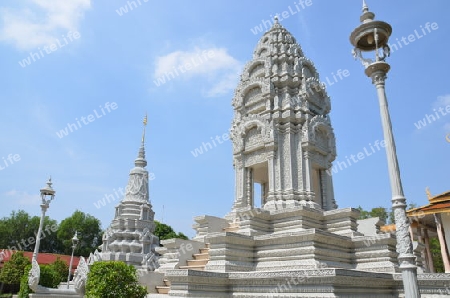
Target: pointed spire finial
367 15
145 124
365 7
429 195
140 160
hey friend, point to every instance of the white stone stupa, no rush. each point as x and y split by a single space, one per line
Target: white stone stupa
130 237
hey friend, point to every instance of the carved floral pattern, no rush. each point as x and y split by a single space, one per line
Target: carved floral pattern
137 188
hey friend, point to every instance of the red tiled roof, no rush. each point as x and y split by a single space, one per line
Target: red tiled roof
43 258
436 207
438 204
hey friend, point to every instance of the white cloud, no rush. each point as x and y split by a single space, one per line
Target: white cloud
28 29
227 83
23 198
215 64
442 103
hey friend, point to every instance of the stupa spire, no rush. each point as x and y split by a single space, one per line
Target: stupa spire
140 160
130 236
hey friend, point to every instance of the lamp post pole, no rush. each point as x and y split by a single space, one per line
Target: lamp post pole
74 245
45 204
47 195
373 36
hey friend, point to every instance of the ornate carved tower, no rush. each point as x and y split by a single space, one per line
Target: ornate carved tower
281 131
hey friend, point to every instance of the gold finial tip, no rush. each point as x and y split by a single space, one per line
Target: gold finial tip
145 119
427 191
143 132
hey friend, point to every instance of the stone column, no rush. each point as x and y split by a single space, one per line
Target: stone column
239 184
249 188
308 176
444 251
263 193
324 185
289 168
330 191
271 174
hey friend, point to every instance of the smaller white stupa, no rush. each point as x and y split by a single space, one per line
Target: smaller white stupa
130 237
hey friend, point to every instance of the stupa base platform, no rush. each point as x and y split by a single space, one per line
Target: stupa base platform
310 283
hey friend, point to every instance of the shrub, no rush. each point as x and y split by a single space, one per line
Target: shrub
13 270
113 279
24 288
61 268
49 278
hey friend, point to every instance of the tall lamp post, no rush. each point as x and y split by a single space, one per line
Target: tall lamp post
373 36
47 195
74 245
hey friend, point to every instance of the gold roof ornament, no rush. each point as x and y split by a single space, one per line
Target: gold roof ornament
427 191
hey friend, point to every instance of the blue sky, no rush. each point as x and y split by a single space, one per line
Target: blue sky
102 58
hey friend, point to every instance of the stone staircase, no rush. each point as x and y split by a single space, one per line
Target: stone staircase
164 289
232 227
200 260
198 263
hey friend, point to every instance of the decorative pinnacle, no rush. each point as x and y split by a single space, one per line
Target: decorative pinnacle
145 124
367 16
427 191
365 7
140 160
275 18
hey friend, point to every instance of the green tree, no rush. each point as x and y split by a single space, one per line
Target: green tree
113 279
88 229
164 232
435 248
14 269
380 212
363 214
18 232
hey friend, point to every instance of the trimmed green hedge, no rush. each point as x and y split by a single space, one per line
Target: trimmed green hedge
113 279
